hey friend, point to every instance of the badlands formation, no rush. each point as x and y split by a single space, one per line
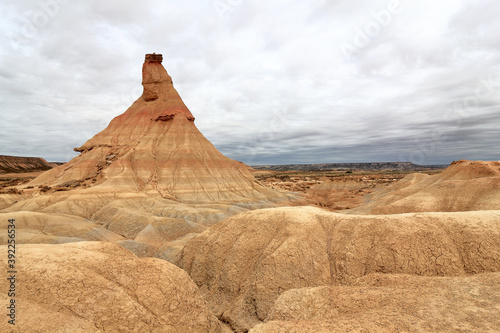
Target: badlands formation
151 229
155 148
463 186
150 178
10 164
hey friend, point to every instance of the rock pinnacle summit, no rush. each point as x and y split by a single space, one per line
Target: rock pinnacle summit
158 86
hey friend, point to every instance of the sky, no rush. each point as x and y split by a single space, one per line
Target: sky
269 82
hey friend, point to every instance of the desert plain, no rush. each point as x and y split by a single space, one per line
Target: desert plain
151 229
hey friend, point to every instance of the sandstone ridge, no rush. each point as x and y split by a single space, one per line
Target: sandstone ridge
15 164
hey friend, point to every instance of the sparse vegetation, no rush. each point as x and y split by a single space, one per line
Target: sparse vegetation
45 188
333 190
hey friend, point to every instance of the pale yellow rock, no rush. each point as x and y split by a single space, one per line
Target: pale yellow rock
390 303
244 263
36 227
101 287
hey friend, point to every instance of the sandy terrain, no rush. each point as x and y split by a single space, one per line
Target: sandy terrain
151 229
332 190
463 186
101 287
244 263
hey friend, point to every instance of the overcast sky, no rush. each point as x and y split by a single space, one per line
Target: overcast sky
269 82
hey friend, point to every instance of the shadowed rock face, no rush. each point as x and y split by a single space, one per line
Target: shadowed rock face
155 147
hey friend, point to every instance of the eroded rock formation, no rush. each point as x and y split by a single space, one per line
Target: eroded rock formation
463 186
390 303
101 287
155 147
242 265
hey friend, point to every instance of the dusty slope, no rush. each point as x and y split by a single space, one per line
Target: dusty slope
97 287
155 147
244 263
147 219
10 164
7 200
463 186
391 303
38 228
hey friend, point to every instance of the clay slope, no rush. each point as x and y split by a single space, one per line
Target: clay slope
36 227
146 221
242 265
390 303
14 164
155 147
463 186
99 287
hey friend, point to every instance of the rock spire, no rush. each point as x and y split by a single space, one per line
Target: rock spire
155 147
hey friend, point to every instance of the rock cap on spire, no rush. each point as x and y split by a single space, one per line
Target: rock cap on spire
154 58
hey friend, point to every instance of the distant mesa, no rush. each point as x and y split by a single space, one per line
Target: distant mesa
374 166
16 164
155 147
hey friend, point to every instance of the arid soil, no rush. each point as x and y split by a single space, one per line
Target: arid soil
463 186
101 287
295 269
332 190
242 265
151 229
390 303
11 182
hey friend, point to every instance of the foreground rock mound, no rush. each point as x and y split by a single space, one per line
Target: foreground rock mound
463 186
390 303
244 263
99 287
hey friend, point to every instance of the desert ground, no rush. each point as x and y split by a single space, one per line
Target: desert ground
152 229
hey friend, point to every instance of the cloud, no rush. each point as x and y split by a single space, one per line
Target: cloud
267 82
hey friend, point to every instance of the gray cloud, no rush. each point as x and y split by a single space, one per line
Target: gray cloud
267 82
